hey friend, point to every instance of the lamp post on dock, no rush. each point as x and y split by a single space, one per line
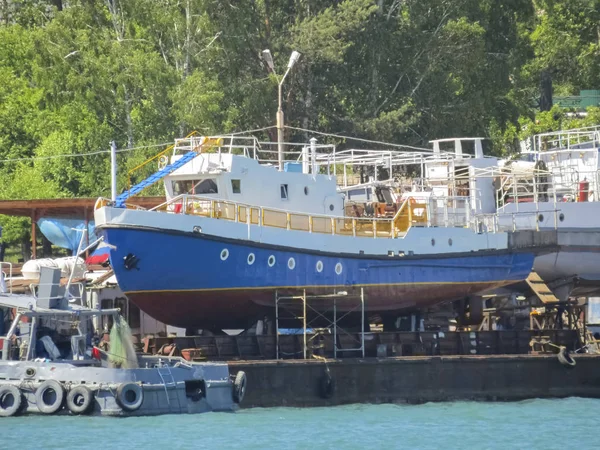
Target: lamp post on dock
280 120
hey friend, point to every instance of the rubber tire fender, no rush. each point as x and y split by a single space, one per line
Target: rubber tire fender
326 386
122 400
239 387
15 392
80 400
565 358
58 401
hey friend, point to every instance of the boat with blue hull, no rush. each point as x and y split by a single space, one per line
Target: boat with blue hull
229 280
211 257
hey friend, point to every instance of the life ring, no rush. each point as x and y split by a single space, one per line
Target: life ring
239 387
130 396
326 386
80 400
49 396
565 358
10 400
162 162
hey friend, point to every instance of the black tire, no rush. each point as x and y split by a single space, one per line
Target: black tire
50 396
80 400
326 386
11 400
239 387
130 396
564 357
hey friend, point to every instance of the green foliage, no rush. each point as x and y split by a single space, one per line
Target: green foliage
79 74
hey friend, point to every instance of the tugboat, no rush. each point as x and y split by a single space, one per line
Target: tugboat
234 233
49 365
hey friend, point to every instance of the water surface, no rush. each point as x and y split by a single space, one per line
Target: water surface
532 424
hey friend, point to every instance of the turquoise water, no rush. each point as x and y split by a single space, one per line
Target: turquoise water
532 424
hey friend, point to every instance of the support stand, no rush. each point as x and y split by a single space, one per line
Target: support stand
298 306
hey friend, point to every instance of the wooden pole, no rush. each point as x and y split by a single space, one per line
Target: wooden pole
33 234
87 235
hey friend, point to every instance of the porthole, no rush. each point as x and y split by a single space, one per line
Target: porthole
331 207
291 263
305 190
338 268
224 254
433 242
541 218
271 261
319 266
450 242
30 372
251 259
561 217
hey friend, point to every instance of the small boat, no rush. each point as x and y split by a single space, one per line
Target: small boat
235 233
49 365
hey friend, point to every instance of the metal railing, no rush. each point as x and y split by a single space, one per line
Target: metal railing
156 157
562 140
545 186
411 212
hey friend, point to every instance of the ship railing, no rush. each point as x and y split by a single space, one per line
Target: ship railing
160 158
264 152
525 220
75 293
343 164
451 211
247 146
6 274
101 202
413 212
555 186
562 140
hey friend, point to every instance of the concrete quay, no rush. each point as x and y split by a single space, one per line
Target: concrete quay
302 383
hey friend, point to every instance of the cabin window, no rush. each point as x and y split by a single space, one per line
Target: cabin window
384 196
206 186
236 186
358 195
284 191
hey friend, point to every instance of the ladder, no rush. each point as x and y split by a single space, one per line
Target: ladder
540 288
168 381
170 168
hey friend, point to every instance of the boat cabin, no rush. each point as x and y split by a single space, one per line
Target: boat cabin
233 173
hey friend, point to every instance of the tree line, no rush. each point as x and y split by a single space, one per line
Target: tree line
77 74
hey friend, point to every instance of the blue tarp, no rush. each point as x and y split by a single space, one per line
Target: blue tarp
65 233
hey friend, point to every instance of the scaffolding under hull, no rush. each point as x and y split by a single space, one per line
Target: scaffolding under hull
240 309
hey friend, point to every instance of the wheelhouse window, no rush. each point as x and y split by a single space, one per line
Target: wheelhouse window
284 191
384 195
236 186
358 195
198 187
